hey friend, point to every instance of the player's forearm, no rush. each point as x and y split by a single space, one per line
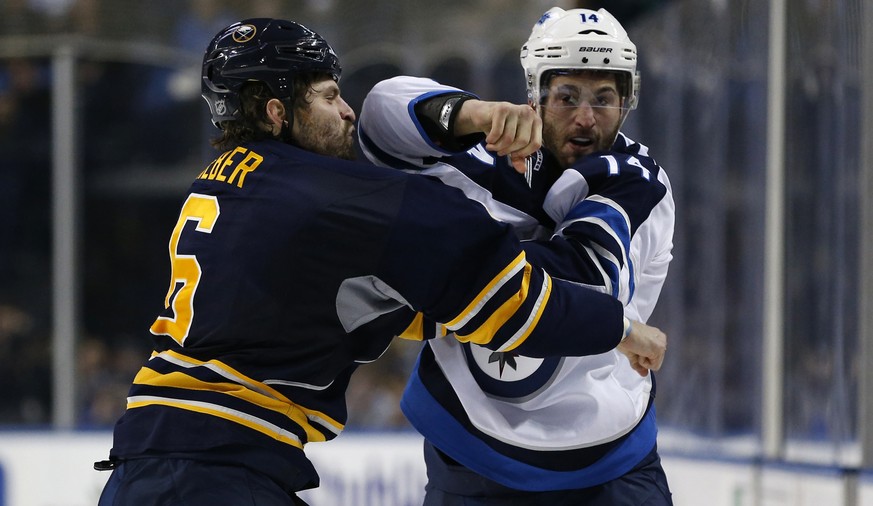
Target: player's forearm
576 321
469 119
509 128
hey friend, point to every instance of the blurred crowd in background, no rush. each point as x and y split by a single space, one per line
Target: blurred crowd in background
142 134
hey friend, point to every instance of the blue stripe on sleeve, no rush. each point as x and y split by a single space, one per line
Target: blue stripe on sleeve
587 209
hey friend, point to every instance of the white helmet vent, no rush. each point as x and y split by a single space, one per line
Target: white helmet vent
550 52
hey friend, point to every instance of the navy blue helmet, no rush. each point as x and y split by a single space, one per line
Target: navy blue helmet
272 51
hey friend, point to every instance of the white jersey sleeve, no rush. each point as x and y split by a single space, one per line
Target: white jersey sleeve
389 132
462 395
619 207
652 245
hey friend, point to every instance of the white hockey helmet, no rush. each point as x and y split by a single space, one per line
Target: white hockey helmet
580 39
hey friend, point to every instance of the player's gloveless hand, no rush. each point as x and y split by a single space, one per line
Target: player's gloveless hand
510 129
645 347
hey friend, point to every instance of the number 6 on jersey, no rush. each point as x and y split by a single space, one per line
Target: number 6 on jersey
185 269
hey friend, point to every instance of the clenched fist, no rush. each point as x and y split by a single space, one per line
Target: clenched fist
510 129
645 347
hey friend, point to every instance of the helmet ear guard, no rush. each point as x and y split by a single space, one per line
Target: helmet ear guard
223 103
271 51
579 39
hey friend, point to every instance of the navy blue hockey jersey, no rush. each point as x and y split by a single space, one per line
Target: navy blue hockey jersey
288 269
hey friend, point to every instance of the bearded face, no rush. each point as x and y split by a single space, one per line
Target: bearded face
327 125
581 115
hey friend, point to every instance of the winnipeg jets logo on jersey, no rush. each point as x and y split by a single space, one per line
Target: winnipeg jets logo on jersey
504 359
504 366
507 375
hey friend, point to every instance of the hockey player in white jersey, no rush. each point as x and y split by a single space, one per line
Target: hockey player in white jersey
508 429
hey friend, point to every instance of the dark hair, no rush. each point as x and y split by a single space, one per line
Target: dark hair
253 98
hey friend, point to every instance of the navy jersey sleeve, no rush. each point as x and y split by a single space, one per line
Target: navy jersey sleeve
472 276
615 215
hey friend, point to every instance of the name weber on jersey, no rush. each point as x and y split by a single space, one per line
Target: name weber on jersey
243 161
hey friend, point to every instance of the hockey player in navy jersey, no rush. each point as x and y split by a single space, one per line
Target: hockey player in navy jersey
291 265
504 428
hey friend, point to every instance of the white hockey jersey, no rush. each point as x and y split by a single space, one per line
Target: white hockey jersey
534 423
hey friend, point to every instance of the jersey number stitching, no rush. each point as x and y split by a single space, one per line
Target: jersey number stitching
185 269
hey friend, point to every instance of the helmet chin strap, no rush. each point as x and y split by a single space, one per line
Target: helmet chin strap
624 116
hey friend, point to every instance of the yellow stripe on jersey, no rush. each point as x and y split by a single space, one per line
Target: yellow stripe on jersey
485 295
233 375
489 328
222 369
534 317
415 331
151 377
224 412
